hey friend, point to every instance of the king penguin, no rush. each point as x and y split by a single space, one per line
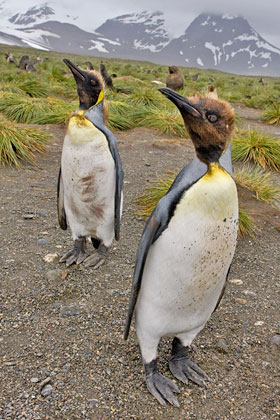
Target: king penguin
90 180
186 248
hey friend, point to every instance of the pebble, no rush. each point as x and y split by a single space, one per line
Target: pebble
34 380
70 310
46 390
54 275
50 257
222 346
42 241
259 323
249 292
275 340
236 281
28 216
42 213
93 403
45 382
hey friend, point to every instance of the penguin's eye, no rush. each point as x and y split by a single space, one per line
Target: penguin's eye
212 118
93 82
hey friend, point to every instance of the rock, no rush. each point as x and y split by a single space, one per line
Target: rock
46 390
42 213
93 403
236 281
54 275
259 323
249 293
50 257
42 241
34 380
45 382
28 216
222 346
275 340
70 310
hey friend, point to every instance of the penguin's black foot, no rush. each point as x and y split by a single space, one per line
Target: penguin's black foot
98 258
77 254
183 368
160 387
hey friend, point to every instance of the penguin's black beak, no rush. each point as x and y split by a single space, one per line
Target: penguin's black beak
78 73
183 104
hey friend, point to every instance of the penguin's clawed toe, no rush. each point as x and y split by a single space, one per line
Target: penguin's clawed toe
184 369
76 255
162 389
95 260
98 258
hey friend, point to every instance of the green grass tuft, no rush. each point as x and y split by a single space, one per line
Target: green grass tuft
258 181
35 110
272 114
247 225
251 145
19 143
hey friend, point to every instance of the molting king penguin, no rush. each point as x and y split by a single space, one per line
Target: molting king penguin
91 177
186 248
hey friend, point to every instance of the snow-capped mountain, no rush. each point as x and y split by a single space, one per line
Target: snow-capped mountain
225 43
219 42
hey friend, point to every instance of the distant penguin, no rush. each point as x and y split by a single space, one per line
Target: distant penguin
211 92
89 65
175 80
10 58
23 62
91 177
186 248
107 79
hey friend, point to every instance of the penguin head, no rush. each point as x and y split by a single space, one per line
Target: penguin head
208 121
173 69
90 85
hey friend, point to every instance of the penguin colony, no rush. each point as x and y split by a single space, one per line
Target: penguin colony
188 243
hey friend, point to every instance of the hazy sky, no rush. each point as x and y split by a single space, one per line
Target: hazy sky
263 16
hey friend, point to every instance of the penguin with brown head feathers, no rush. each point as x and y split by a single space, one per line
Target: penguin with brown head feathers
90 179
186 248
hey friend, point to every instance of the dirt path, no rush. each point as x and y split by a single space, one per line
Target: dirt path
66 327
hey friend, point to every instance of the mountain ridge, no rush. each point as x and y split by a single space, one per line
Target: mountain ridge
222 42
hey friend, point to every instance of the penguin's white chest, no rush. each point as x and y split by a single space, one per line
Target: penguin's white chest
186 267
89 180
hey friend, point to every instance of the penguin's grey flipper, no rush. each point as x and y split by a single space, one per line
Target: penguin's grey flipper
160 387
95 115
60 202
183 368
77 254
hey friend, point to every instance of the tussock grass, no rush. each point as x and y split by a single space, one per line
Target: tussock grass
120 115
258 181
164 120
148 200
251 145
33 88
35 110
151 196
272 114
247 224
19 143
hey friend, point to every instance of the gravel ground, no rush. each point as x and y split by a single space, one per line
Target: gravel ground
62 351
